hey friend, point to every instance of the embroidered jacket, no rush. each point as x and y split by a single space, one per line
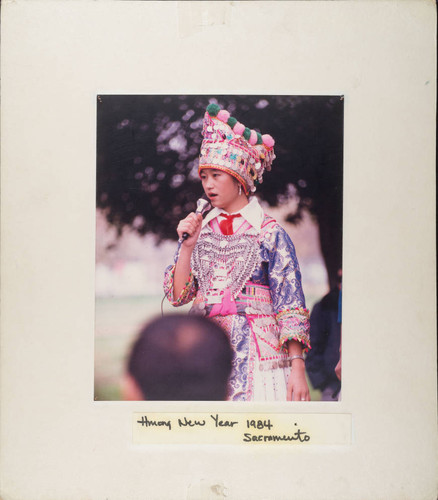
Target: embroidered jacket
277 270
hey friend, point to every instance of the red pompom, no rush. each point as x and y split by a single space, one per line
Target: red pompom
239 128
253 138
223 115
268 141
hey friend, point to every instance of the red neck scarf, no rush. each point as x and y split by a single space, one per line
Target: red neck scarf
226 226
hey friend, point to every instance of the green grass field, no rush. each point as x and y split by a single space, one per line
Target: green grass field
118 321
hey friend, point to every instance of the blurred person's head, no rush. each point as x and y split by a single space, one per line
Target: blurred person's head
179 358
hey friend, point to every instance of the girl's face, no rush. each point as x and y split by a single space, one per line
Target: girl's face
222 190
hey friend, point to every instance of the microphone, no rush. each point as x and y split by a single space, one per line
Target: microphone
202 206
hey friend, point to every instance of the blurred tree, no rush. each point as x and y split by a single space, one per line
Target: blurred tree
147 158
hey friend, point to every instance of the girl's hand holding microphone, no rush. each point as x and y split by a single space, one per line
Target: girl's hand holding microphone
189 228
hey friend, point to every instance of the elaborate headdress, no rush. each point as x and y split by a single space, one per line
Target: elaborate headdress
230 146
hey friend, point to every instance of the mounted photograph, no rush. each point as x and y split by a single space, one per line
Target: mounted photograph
219 247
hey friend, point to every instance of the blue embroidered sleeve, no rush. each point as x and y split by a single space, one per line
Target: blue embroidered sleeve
285 286
187 293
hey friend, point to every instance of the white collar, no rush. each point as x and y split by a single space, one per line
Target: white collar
252 213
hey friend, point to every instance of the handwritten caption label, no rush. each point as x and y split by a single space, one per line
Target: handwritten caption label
241 428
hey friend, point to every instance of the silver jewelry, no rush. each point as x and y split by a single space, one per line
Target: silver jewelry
296 357
240 189
220 261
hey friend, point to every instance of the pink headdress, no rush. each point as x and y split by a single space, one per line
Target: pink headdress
230 146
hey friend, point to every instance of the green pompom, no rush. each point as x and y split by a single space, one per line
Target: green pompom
259 138
247 133
213 109
231 121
